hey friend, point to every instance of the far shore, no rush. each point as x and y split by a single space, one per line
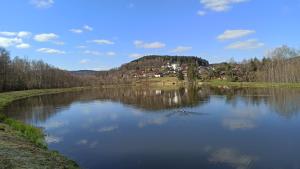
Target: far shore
166 82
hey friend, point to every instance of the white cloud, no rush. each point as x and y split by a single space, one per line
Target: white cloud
91 52
50 51
201 13
136 55
234 34
13 41
84 61
78 31
103 42
181 49
81 30
154 45
248 44
8 33
23 46
45 37
88 28
110 53
22 34
97 53
151 45
42 3
7 42
220 5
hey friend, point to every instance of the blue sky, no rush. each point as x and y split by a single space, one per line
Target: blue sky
102 34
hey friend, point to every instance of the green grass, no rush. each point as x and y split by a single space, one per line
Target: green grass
8 97
171 82
251 84
31 133
17 152
163 82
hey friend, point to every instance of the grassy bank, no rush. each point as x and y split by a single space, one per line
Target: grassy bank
171 82
163 82
250 84
8 97
16 135
17 152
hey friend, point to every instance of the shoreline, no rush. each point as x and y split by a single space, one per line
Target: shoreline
250 84
173 81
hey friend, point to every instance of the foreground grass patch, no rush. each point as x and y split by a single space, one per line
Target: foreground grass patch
17 152
34 135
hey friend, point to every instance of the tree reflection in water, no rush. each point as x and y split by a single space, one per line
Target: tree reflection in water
285 102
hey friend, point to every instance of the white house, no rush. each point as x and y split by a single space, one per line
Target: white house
157 75
175 66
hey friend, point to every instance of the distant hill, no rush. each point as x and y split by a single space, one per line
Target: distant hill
156 61
84 72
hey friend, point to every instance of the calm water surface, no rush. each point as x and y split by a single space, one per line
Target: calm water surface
197 127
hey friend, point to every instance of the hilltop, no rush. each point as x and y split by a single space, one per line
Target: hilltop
149 62
145 67
157 61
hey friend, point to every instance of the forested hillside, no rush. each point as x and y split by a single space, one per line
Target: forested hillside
23 74
148 67
157 61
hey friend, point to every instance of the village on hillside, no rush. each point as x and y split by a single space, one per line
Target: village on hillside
176 70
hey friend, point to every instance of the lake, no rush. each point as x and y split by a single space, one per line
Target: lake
194 127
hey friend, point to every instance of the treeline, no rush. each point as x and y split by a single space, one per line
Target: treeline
281 65
22 74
